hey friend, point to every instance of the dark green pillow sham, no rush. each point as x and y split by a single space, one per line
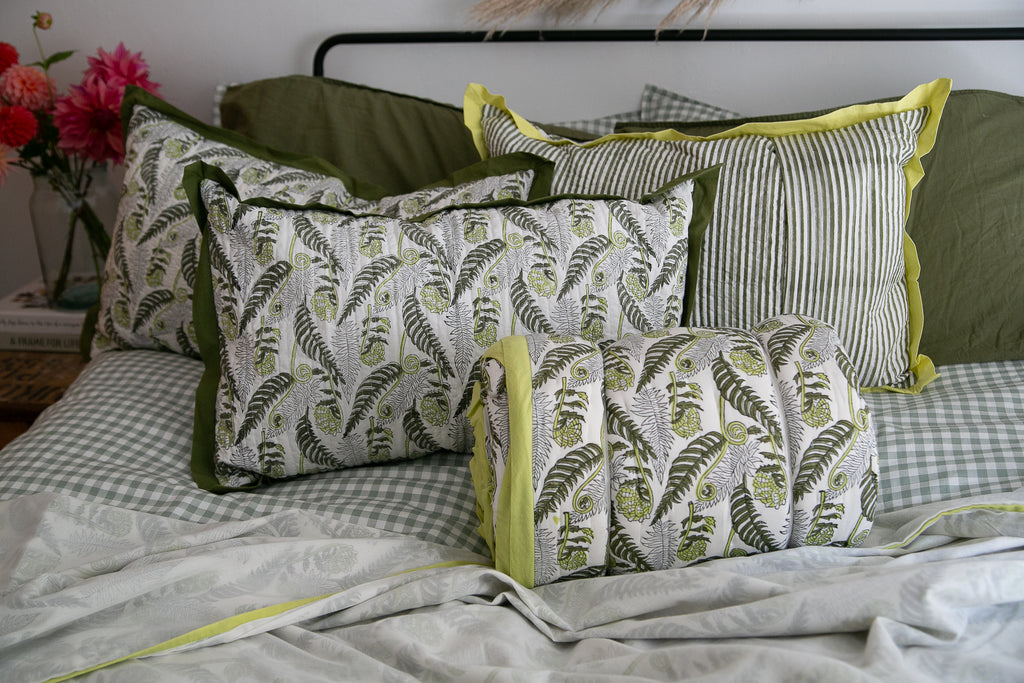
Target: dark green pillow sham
399 142
967 221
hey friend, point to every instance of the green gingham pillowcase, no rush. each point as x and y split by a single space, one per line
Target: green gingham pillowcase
146 299
659 104
334 339
826 199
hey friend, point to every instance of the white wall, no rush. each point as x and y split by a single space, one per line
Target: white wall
192 45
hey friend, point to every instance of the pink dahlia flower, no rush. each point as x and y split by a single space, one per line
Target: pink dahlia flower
119 68
26 86
5 162
89 121
17 126
8 56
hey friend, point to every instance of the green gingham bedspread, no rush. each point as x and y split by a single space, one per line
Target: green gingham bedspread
122 435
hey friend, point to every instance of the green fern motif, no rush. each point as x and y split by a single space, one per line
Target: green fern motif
744 398
476 261
560 481
747 521
573 545
422 335
625 554
378 442
526 308
660 354
418 432
370 390
150 305
312 449
631 309
569 415
266 285
697 533
312 343
686 468
827 517
558 358
272 459
367 280
823 450
261 402
582 259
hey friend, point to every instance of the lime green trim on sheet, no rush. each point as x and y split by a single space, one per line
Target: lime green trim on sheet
992 507
230 623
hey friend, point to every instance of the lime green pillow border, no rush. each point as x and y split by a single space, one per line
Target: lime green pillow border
932 95
515 525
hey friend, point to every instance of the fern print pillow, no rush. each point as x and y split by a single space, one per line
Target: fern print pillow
334 338
669 447
146 298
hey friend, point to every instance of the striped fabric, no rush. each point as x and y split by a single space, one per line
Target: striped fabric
659 104
828 204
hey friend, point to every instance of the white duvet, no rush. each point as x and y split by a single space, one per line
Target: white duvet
86 589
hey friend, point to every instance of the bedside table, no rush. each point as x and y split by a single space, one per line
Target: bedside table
29 382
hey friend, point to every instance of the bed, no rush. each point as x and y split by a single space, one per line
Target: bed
249 482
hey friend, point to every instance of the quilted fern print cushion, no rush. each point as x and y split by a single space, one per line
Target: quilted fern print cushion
146 298
666 448
335 339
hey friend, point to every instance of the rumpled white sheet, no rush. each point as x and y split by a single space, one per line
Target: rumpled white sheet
938 595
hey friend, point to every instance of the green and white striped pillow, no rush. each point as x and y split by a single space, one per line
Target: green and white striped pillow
809 218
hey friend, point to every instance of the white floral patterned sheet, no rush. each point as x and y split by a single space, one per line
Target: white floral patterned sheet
936 592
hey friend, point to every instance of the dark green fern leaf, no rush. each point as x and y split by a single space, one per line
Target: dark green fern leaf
564 476
272 279
474 264
621 424
375 384
313 345
747 522
312 448
417 325
581 261
428 241
624 550
525 219
418 432
313 238
744 398
172 215
686 467
620 210
558 358
660 354
150 305
822 452
783 343
632 310
369 276
526 308
869 494
269 393
672 266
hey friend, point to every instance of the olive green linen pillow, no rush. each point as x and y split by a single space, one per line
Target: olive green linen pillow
966 219
397 141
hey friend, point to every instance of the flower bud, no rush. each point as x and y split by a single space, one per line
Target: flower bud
44 20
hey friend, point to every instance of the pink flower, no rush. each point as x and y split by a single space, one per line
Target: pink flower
89 121
44 20
26 86
17 126
5 162
120 68
8 56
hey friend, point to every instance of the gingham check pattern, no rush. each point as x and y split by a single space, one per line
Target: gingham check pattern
659 104
122 436
122 433
601 126
962 436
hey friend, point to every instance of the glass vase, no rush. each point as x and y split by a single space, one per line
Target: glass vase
71 228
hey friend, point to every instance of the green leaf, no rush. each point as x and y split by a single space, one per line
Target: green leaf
675 261
660 354
313 238
417 325
425 239
54 58
313 345
150 305
847 368
312 448
190 261
367 280
621 424
526 308
869 494
783 343
375 384
564 476
172 215
748 523
744 398
632 310
184 342
825 448
581 261
262 401
558 358
686 466
526 219
474 264
150 167
624 550
418 432
272 279
620 210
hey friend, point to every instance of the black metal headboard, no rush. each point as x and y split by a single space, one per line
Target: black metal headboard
632 35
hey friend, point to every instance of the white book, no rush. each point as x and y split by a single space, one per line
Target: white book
34 340
26 310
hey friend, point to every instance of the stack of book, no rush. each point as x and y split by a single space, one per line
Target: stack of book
27 323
